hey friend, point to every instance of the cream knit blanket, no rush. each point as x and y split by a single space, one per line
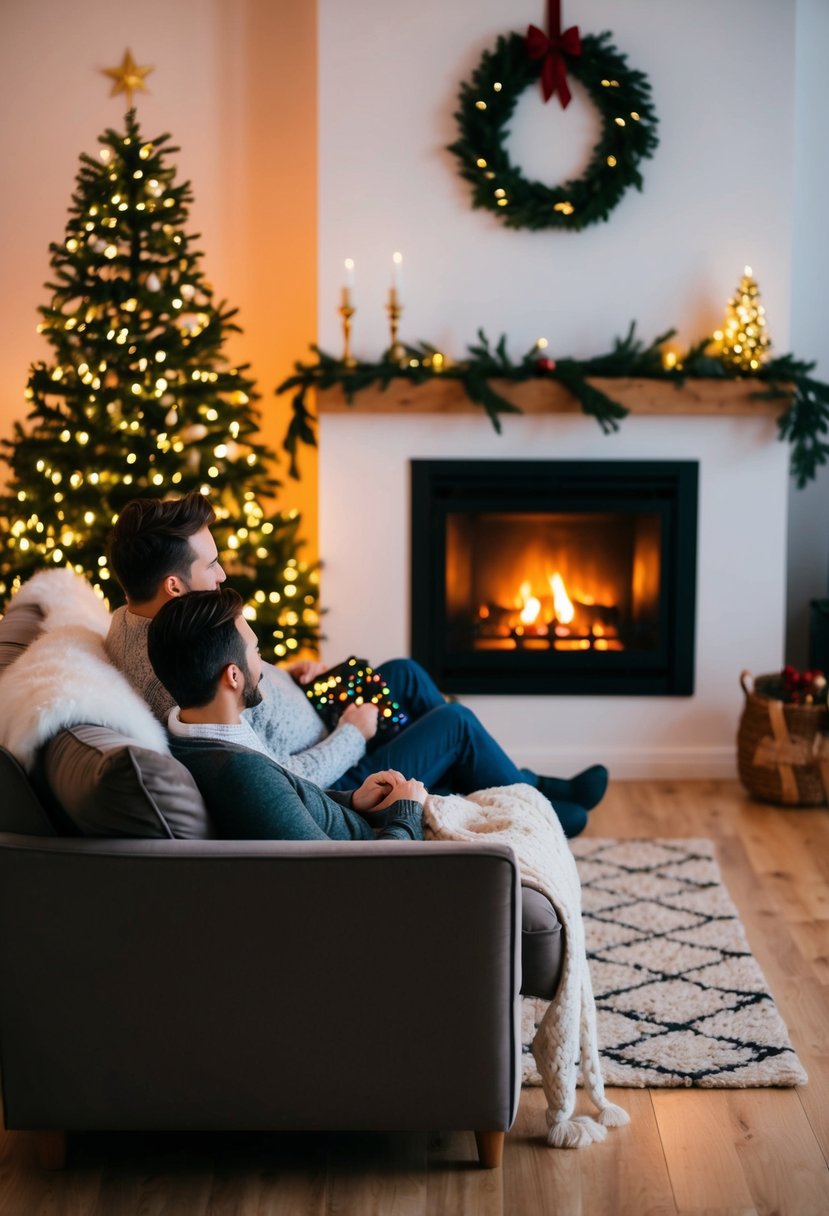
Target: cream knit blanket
520 816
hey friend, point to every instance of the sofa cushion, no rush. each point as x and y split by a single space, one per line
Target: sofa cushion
109 785
21 811
20 626
542 945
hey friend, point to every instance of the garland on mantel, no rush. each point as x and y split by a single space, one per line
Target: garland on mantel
804 423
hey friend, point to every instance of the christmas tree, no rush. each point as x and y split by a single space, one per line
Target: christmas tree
743 343
139 400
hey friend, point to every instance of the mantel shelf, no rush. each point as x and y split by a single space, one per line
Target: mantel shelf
541 396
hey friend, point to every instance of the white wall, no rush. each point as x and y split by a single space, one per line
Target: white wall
717 195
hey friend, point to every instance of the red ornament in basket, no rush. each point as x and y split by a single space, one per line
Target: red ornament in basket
803 687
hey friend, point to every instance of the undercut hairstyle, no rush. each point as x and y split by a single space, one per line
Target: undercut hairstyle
192 639
151 541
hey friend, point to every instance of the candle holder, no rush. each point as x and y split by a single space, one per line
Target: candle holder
347 311
394 308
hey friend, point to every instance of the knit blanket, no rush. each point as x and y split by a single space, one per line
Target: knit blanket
566 1039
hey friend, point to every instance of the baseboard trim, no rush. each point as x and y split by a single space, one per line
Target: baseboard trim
638 764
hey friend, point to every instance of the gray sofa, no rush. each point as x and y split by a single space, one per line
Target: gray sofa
154 978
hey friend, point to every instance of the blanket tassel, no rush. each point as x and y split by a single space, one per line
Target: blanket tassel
611 1115
583 1130
574 1133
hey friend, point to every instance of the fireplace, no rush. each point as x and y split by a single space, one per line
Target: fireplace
555 577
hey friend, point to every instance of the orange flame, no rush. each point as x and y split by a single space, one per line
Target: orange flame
529 613
563 604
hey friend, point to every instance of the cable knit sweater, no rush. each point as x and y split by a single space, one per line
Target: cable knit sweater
286 721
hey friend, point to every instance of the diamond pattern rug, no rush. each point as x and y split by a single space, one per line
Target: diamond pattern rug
680 998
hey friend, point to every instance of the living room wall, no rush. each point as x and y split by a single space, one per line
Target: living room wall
671 255
739 89
730 184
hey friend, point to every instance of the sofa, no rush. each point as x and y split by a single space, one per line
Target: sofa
153 977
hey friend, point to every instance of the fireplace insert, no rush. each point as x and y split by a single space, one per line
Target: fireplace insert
555 577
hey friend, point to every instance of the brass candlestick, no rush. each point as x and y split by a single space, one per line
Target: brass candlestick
395 310
347 311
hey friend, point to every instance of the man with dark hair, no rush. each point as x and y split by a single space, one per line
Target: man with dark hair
163 549
444 743
204 651
159 549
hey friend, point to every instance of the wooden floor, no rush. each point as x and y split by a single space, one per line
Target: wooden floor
729 1152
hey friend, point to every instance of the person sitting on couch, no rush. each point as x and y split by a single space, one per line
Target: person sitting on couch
204 651
161 550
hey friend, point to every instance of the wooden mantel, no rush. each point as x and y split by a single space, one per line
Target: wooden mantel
640 396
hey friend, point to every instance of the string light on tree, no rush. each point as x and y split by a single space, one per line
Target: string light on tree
743 342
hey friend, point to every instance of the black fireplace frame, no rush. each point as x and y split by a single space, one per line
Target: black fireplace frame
669 488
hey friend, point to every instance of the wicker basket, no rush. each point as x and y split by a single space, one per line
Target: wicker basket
782 752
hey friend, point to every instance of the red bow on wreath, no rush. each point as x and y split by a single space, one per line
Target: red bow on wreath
552 50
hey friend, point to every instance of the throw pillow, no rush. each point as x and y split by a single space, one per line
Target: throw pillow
109 785
20 626
20 809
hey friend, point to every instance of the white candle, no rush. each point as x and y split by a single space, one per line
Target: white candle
349 283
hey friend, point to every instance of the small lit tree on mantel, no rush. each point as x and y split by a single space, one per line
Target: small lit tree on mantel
139 400
743 342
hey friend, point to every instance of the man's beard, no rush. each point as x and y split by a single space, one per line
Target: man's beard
251 693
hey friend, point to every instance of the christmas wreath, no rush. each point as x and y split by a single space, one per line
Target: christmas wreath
487 102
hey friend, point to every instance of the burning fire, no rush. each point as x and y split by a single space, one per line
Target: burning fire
560 619
531 605
562 604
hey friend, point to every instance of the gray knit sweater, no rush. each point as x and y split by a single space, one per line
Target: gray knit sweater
286 721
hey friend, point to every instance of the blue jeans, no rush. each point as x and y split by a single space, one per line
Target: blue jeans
443 745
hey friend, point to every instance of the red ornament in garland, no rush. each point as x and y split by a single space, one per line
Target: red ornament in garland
545 364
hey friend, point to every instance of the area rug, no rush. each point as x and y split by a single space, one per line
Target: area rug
680 998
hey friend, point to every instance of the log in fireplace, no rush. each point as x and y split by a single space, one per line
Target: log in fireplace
555 577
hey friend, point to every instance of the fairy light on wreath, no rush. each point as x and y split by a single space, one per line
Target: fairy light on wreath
487 103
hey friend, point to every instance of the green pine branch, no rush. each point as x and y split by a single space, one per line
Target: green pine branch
804 423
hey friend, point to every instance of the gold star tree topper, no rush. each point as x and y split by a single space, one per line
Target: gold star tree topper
128 78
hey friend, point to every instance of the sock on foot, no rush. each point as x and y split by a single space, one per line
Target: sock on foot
572 817
589 787
552 787
586 788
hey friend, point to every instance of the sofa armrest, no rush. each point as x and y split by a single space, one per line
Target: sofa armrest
215 984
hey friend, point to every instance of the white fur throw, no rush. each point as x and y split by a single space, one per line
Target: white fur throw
521 817
65 599
64 677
